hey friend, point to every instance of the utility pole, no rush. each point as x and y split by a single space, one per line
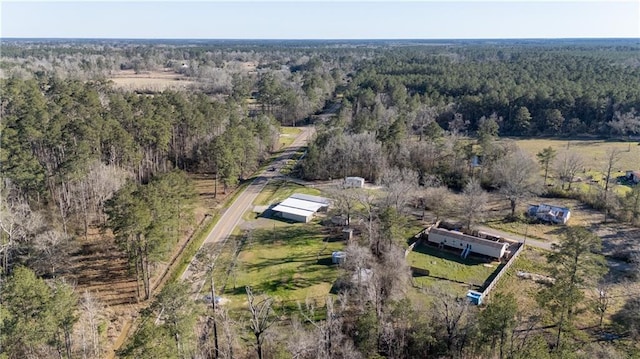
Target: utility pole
216 348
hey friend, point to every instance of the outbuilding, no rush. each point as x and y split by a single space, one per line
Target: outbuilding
354 182
300 207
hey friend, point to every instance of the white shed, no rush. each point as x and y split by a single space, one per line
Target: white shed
354 182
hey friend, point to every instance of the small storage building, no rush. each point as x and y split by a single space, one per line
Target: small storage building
354 182
338 257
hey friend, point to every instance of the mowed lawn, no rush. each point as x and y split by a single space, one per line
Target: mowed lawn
594 154
279 190
288 135
448 270
289 263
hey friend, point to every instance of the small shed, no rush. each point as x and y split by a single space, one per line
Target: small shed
354 182
338 257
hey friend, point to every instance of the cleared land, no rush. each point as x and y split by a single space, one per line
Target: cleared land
278 190
594 153
533 260
151 81
290 263
288 135
581 215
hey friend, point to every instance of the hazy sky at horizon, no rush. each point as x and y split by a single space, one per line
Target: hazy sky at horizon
417 19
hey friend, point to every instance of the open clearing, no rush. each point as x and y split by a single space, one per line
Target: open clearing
290 263
581 215
594 154
150 81
533 260
278 190
288 135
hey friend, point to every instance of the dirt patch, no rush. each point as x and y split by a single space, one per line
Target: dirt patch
102 269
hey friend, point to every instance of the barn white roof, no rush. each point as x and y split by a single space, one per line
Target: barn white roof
292 210
310 198
301 204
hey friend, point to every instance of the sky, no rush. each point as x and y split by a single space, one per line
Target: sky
302 19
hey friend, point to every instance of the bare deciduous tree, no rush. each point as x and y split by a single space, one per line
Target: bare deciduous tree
603 301
90 321
567 165
516 177
612 158
400 185
473 203
450 315
437 200
262 318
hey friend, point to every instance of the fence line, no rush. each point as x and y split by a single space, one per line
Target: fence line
504 269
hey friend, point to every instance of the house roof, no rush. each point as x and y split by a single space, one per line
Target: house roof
302 204
292 210
549 207
467 238
310 198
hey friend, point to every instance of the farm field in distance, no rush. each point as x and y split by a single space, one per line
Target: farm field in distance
151 81
593 153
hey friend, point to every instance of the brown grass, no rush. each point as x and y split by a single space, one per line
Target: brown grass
593 151
151 81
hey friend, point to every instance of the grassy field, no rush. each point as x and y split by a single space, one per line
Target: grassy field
447 269
580 216
594 153
287 261
276 191
154 81
290 263
288 135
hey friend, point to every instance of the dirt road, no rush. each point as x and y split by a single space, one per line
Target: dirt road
529 241
233 214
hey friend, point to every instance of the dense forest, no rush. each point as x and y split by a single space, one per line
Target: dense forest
78 153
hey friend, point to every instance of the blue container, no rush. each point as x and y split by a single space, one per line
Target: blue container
474 297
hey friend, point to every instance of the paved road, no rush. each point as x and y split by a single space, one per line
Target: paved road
233 214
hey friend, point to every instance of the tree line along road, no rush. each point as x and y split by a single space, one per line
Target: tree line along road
233 214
